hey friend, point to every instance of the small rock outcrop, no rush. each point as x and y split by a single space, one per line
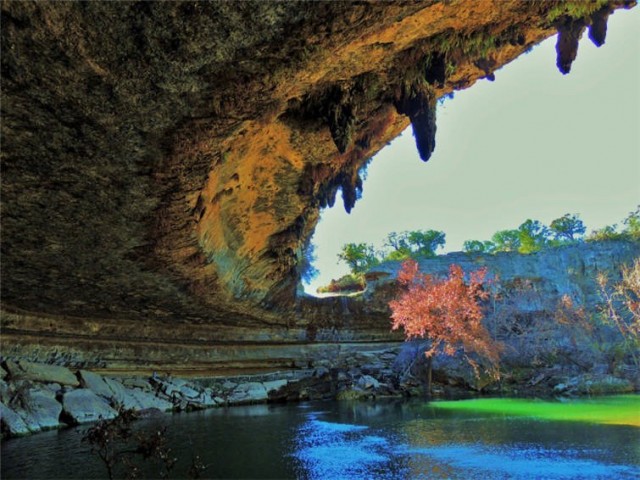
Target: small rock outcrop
83 405
36 372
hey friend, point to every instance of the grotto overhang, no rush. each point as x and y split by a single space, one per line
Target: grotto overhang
167 162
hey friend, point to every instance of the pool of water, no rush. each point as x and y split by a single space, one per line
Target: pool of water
488 439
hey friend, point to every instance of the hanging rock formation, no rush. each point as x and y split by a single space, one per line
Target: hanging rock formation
165 163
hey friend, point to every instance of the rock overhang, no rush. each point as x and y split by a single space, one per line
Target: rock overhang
166 163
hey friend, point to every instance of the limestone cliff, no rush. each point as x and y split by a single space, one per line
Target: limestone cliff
164 163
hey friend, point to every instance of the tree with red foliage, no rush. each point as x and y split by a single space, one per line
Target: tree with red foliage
446 311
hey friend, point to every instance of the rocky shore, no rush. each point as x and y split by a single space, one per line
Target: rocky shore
36 397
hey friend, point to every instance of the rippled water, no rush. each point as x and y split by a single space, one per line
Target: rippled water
386 440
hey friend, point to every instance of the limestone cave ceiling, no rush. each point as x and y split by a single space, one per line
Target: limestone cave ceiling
168 160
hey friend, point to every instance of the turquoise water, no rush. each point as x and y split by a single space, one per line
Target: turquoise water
386 440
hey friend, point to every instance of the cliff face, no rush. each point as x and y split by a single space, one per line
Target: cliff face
164 163
323 331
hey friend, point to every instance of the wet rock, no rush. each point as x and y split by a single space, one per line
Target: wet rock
95 383
38 372
11 424
82 406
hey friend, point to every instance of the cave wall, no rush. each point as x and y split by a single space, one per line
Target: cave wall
164 164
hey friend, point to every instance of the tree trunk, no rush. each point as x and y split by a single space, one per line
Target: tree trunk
429 364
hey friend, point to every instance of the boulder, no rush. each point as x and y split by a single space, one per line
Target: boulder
95 383
275 385
205 400
167 387
11 424
38 408
352 394
145 400
120 396
135 398
368 382
38 372
600 384
83 405
248 393
137 382
190 393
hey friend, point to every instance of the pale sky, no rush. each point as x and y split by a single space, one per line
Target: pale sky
533 144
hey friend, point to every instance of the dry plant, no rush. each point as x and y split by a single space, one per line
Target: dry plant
622 306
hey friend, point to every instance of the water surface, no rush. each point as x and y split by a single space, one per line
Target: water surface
488 439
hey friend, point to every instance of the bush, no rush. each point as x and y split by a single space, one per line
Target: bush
348 283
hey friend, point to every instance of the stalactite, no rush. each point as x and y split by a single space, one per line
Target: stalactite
569 33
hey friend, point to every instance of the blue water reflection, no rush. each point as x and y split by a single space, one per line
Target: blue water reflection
339 450
415 449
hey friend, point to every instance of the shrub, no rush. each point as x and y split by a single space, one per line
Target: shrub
345 284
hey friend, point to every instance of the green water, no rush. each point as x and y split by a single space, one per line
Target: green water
612 410
487 439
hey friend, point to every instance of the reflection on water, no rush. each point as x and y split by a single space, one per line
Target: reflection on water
431 441
385 440
516 461
339 450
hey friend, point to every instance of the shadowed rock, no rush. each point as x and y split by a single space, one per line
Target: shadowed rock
487 65
598 27
419 104
569 33
342 122
435 72
11 424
